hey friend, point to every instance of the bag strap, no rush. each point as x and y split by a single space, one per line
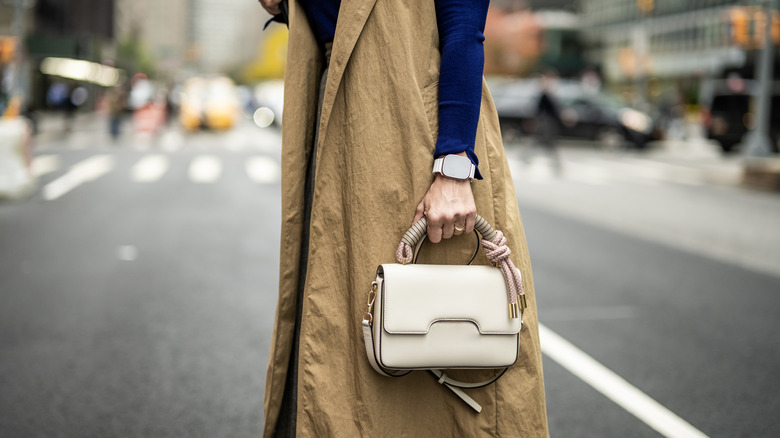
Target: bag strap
496 250
443 379
414 235
495 247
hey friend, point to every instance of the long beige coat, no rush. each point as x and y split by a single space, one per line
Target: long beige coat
377 136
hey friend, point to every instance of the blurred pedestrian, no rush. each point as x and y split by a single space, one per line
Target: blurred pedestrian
117 103
548 119
374 91
71 106
672 115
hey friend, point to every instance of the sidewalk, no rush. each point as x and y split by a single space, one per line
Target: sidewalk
712 166
697 152
683 194
692 160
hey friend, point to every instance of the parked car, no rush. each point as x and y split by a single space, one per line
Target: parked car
727 112
587 115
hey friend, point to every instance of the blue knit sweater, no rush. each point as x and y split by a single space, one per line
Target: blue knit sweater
461 24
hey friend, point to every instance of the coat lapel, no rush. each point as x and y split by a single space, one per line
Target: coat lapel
353 15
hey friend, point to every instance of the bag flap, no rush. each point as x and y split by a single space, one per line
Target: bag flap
415 297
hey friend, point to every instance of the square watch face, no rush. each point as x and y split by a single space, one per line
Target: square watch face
455 166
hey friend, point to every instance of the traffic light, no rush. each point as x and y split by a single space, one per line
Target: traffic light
748 26
740 26
7 48
646 6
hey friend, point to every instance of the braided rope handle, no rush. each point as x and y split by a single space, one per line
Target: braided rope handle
495 247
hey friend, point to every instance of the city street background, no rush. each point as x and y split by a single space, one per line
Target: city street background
140 196
140 303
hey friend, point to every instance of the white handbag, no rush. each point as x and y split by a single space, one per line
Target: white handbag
434 317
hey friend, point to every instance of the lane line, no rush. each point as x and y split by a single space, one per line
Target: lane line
85 171
43 164
263 170
614 387
205 169
150 168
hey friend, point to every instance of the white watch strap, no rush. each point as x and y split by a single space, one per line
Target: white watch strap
438 166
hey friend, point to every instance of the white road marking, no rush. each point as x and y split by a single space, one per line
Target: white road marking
127 253
85 171
150 168
650 170
263 170
171 140
205 169
614 387
43 164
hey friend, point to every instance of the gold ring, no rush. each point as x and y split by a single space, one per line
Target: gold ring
459 229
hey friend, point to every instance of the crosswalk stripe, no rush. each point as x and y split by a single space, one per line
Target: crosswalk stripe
205 169
262 170
150 168
43 164
85 171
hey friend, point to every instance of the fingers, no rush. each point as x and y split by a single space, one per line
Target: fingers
419 212
471 219
447 205
435 231
441 227
448 229
459 225
272 6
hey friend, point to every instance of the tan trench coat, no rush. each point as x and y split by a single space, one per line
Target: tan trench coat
377 135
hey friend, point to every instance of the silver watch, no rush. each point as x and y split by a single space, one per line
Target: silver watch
455 167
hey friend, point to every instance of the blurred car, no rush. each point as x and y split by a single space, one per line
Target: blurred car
727 112
211 103
583 114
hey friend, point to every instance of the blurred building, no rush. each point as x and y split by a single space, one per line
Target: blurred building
227 32
13 18
535 5
71 29
523 37
162 29
199 36
672 41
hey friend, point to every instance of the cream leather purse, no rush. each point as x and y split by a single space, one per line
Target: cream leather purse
434 317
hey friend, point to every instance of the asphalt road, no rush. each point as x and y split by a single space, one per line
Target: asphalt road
138 309
135 305
695 334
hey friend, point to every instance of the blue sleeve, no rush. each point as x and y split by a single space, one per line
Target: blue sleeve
461 25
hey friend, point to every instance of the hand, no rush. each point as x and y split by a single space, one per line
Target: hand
449 203
272 6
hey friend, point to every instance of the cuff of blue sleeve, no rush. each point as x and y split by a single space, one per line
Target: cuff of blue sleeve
473 157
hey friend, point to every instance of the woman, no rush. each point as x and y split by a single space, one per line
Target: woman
368 138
